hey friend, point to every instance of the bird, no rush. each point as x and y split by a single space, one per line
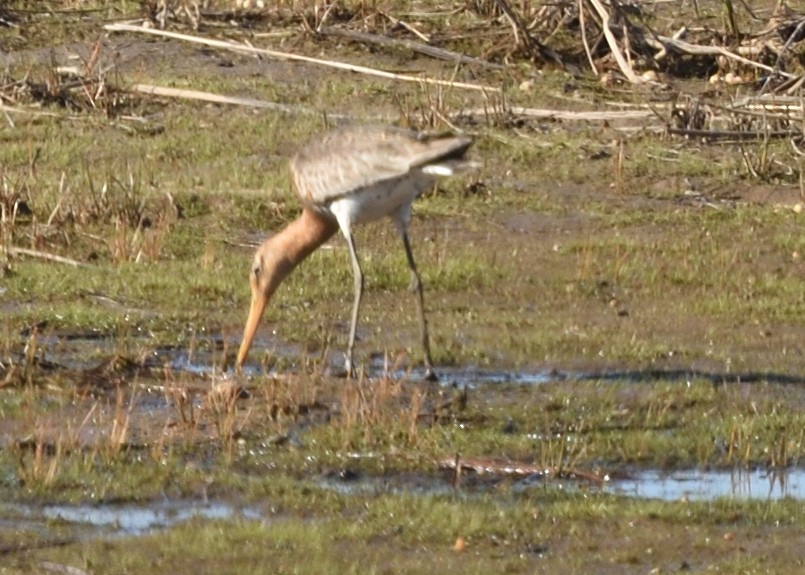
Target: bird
345 177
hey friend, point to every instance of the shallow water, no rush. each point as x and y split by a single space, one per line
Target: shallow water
135 519
691 485
86 350
709 485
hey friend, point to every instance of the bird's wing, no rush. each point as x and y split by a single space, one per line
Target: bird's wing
349 159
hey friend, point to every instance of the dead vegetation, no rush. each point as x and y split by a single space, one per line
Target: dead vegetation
733 69
729 77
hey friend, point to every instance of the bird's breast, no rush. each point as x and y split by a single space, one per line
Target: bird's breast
378 200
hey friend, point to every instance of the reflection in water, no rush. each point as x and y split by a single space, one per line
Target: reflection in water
692 485
206 355
708 485
140 519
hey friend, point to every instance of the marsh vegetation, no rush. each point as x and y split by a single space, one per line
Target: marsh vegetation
617 291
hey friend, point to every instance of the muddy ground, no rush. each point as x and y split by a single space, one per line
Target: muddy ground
616 312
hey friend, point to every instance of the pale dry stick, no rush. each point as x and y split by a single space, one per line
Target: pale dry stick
584 39
782 51
748 163
8 119
795 87
325 15
55 211
766 103
663 52
797 151
120 423
512 18
17 110
168 92
250 45
446 120
45 256
87 418
519 29
493 466
219 99
732 136
432 51
591 116
397 22
627 44
620 160
61 568
695 50
275 34
297 58
801 174
613 45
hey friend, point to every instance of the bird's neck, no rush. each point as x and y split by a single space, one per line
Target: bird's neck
304 235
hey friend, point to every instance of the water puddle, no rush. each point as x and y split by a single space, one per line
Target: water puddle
708 485
693 485
87 522
92 351
85 351
133 519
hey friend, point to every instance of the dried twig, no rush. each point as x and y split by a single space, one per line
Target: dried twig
732 135
523 36
45 256
18 110
494 466
61 568
694 49
407 26
219 98
663 53
584 38
590 116
613 45
783 50
432 51
228 45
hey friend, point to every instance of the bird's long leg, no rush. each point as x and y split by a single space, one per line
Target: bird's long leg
416 283
358 278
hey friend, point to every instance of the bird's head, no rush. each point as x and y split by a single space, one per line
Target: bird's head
269 268
275 259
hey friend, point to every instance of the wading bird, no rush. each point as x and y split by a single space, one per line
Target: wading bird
351 176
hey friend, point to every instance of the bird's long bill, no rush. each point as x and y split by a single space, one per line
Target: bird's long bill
259 302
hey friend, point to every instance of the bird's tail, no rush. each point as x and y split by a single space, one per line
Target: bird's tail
451 167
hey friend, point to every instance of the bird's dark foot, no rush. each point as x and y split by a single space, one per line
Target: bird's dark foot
430 375
338 372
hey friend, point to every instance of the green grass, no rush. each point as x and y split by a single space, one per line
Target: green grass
501 534
548 257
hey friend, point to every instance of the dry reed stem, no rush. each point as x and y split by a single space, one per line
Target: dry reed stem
663 42
297 58
586 44
613 45
432 51
585 116
16 251
166 91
